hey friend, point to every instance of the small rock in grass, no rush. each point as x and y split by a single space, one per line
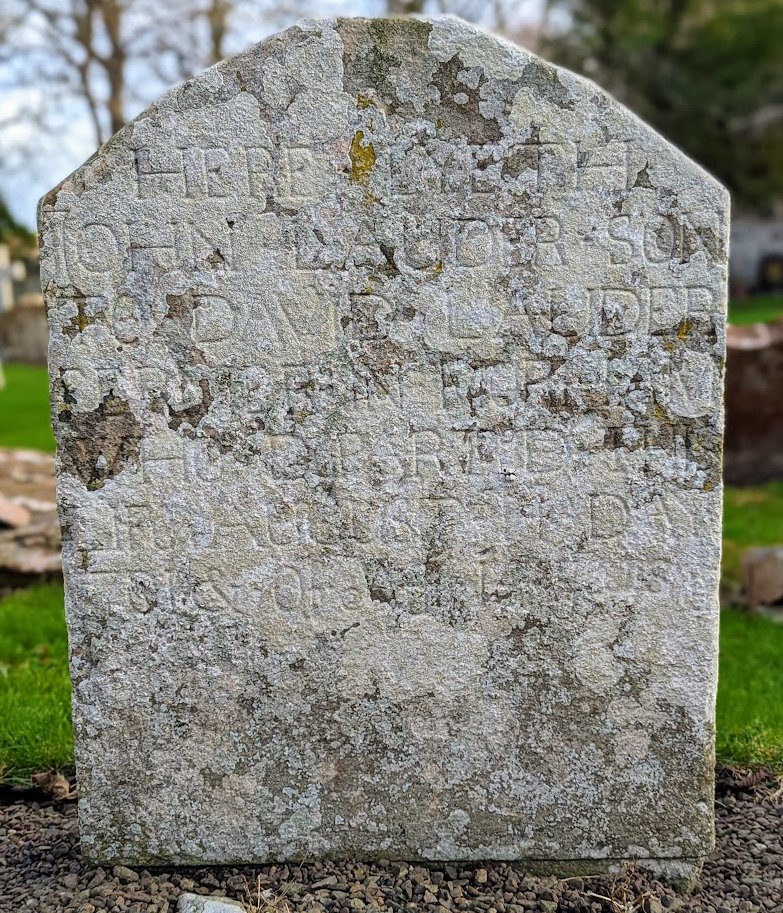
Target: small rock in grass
194 903
13 514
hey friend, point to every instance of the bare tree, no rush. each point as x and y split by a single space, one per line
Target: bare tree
217 15
110 56
76 48
405 7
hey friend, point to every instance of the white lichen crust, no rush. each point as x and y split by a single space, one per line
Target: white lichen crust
386 375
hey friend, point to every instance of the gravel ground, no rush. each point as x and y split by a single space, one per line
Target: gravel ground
41 871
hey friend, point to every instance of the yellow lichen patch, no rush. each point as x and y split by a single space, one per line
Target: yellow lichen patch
362 159
708 485
438 268
683 329
80 321
363 102
660 413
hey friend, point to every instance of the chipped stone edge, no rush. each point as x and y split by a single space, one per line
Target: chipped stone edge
472 31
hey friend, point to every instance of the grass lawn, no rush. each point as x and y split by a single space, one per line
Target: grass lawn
750 691
755 310
35 717
24 408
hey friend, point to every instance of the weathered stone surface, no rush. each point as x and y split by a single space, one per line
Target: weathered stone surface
386 367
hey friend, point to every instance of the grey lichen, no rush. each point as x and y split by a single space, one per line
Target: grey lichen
387 369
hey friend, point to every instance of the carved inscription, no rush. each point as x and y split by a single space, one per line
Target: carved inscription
386 371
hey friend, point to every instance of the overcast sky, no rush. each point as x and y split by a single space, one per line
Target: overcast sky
48 158
33 161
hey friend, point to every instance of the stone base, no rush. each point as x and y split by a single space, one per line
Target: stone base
197 903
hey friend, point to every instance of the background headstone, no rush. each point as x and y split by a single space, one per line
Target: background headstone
762 576
24 334
754 403
8 272
386 366
754 240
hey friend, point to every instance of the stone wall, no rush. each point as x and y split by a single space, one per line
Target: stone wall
24 335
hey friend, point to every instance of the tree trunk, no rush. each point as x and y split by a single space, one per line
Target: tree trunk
217 21
404 7
84 33
114 64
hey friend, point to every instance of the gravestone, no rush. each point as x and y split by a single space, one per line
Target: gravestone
386 375
9 271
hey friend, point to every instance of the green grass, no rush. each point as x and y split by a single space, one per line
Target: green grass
750 683
750 691
35 728
751 516
24 408
755 310
35 715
